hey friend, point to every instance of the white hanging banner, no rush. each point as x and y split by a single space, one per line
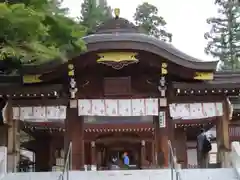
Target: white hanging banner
196 110
39 113
51 112
118 107
62 112
26 113
110 108
124 107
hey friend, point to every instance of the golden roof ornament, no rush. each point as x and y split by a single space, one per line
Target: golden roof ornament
117 13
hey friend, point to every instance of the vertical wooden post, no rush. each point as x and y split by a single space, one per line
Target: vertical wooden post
163 134
42 153
170 126
13 142
181 146
3 135
11 159
156 141
153 153
4 126
17 143
218 138
93 153
143 155
223 135
74 132
164 149
52 150
161 144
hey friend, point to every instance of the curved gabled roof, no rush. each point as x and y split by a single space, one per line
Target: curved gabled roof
119 25
222 80
150 44
120 34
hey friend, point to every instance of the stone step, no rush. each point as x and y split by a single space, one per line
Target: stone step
209 174
165 174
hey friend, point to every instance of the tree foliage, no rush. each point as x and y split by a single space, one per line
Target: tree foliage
94 13
147 18
224 36
35 31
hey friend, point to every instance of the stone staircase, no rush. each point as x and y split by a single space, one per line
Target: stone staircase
232 173
209 174
186 174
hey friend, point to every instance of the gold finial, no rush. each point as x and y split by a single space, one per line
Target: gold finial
117 12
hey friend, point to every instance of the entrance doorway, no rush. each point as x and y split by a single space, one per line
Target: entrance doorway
114 155
110 154
118 154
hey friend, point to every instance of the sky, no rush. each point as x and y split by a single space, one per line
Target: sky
186 20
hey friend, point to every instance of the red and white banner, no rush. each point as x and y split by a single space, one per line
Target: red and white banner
195 110
118 107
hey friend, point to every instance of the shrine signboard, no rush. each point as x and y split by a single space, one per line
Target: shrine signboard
162 119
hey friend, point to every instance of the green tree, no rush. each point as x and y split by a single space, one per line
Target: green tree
224 36
36 31
147 18
94 13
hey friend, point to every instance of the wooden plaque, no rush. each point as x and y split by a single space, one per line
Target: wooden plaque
117 86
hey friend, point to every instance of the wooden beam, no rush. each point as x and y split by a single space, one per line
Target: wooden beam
197 99
206 85
37 89
40 102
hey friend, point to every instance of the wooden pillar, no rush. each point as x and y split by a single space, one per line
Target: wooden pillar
3 135
153 154
181 146
42 154
165 149
161 143
218 139
10 141
93 153
74 133
3 124
13 143
52 151
223 135
99 159
162 121
170 126
143 154
157 141
164 134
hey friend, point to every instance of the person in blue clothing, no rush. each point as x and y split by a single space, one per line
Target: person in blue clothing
126 161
